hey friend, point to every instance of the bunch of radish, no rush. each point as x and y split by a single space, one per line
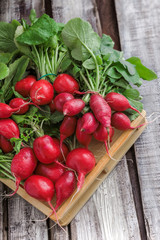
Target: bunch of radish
48 167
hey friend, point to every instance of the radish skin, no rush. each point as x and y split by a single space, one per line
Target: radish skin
22 166
52 106
120 121
45 149
81 136
73 107
9 129
21 104
67 128
52 171
5 145
101 110
118 102
42 92
90 123
23 87
61 99
65 150
64 187
82 161
65 83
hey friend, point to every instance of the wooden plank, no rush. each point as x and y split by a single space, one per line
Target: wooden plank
108 20
139 29
20 213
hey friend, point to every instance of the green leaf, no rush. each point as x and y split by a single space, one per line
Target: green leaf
7 31
120 83
17 144
5 57
80 38
39 32
56 117
22 47
32 16
113 73
131 113
134 79
4 70
130 67
131 93
106 41
65 64
16 71
89 64
143 72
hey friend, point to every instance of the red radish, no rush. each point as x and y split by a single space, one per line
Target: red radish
64 187
120 121
42 92
73 107
101 110
9 129
118 102
61 99
41 188
65 83
6 111
52 106
45 149
21 104
5 145
101 134
23 86
67 128
82 161
22 166
82 137
90 124
64 149
52 171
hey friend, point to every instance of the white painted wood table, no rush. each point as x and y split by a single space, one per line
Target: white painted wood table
127 205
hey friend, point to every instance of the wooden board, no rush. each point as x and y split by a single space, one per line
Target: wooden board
121 143
139 35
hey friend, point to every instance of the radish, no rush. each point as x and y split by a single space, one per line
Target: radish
42 92
21 104
22 166
101 110
81 136
65 150
52 171
67 128
101 134
73 107
45 149
120 121
65 83
60 100
5 145
64 187
118 102
90 124
6 111
9 129
41 188
52 106
23 86
81 160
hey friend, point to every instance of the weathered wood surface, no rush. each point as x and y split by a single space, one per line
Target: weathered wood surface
139 35
110 214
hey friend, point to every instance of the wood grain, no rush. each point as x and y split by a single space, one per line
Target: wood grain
108 20
139 30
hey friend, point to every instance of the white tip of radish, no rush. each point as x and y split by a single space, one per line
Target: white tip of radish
64 113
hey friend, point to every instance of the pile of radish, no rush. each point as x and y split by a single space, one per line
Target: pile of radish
65 98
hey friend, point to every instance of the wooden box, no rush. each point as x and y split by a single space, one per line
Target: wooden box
121 143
